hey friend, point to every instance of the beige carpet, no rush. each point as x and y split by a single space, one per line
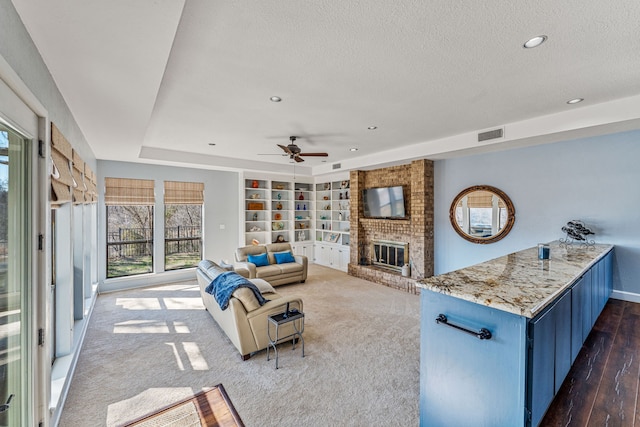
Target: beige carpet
148 348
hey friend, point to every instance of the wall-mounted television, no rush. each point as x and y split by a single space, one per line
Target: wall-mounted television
384 202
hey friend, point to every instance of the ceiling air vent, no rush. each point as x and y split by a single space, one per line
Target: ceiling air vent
337 166
490 134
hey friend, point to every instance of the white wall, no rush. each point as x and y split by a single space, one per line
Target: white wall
221 196
592 179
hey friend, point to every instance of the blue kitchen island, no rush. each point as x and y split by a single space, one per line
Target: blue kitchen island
498 338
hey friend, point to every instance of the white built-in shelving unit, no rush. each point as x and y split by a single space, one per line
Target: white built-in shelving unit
314 218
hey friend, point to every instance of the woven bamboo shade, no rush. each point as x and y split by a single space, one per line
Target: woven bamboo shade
183 193
482 199
61 178
78 172
125 191
91 195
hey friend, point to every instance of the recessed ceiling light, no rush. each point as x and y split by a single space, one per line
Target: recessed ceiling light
275 99
212 143
534 42
575 100
372 127
353 149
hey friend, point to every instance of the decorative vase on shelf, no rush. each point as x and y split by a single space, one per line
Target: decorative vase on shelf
279 196
279 206
255 216
254 184
301 196
340 216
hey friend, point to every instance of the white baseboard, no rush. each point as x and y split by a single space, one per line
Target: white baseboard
145 280
625 296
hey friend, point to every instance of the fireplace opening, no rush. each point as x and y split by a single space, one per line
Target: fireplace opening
389 254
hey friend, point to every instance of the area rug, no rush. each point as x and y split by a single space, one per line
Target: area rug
210 408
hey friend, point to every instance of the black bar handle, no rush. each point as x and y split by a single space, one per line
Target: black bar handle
483 333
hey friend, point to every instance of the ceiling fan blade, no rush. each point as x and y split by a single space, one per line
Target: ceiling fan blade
314 154
286 149
298 159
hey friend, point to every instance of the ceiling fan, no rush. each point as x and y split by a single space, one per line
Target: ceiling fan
295 152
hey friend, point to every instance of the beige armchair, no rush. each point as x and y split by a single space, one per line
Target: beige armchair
275 271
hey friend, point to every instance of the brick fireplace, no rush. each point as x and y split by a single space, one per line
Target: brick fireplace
416 231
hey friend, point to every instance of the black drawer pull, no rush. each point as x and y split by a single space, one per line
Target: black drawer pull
483 334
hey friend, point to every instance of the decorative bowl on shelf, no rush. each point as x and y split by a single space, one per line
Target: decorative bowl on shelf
277 216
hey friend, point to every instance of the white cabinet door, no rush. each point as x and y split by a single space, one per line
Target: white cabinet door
305 249
323 255
339 258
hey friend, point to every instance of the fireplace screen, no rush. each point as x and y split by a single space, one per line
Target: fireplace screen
389 254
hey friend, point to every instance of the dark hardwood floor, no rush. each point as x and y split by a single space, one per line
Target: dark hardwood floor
601 388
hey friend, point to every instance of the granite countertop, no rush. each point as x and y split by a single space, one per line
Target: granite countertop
519 283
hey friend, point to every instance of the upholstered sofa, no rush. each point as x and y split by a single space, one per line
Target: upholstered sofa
244 321
278 270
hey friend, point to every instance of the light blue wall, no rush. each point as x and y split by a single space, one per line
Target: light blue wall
591 179
221 195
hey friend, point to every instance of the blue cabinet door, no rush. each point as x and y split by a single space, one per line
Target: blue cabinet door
541 378
580 311
549 355
587 320
563 358
608 275
465 381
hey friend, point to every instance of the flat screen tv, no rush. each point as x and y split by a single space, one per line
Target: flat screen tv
383 202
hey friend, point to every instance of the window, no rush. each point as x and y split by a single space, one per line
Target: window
182 224
130 204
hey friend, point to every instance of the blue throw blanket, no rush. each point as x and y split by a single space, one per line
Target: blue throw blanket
223 286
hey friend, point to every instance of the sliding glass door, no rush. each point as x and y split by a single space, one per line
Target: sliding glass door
15 278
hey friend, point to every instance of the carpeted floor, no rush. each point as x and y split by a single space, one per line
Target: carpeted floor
148 348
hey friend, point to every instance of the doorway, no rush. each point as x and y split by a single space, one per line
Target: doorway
15 277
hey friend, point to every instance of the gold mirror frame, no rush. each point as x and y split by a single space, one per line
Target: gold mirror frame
511 215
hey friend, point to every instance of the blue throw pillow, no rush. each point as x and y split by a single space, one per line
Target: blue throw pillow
283 257
259 260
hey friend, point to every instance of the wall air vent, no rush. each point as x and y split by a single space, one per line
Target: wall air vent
490 134
337 166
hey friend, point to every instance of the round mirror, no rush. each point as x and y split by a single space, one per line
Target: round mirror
482 214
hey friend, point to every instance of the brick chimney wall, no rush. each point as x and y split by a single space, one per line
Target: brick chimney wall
416 180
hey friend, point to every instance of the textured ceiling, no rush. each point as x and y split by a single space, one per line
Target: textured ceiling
161 80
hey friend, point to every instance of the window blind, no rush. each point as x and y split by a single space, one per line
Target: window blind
183 193
78 171
61 178
482 199
125 191
91 195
